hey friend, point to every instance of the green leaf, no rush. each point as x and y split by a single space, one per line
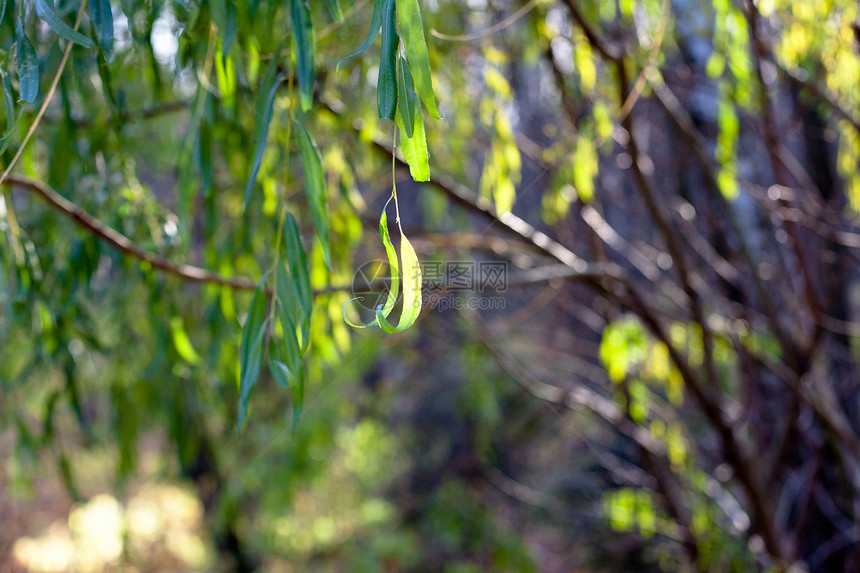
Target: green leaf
334 10
414 148
251 350
297 260
287 348
45 11
394 270
303 50
224 16
407 99
375 25
102 18
315 188
2 10
412 31
8 105
181 341
262 118
411 290
386 85
28 65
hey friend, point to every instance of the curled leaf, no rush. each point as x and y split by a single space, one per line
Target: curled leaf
411 290
394 267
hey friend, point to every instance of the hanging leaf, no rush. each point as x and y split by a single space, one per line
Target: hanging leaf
296 257
315 188
394 271
414 149
102 18
8 105
412 31
303 50
406 96
386 85
2 10
411 290
45 11
413 142
285 358
262 118
28 65
375 25
251 350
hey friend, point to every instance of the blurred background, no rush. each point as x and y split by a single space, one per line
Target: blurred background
638 339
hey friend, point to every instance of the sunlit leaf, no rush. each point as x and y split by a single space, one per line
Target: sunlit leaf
262 118
181 341
315 188
251 350
28 65
303 50
411 290
415 149
412 31
394 277
45 11
386 84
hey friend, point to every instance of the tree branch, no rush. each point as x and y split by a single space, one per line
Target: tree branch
122 243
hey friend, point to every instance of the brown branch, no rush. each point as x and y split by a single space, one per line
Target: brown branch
122 243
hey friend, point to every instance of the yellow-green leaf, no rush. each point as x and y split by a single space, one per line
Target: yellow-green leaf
412 31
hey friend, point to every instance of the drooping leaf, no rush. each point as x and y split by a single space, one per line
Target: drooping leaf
262 118
285 356
412 32
386 85
414 148
303 50
2 10
394 270
8 105
102 18
406 96
334 10
28 65
251 350
411 290
45 11
297 261
375 25
315 188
